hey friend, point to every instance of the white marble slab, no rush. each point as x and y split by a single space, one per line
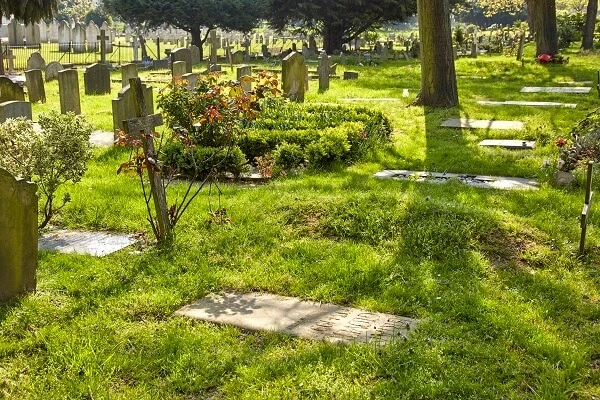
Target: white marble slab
526 103
550 89
482 124
509 144
307 319
93 243
488 182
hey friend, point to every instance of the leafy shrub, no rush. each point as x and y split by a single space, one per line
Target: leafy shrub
585 144
52 157
204 160
569 27
288 156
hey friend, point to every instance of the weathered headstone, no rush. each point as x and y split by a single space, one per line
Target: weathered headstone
244 71
35 85
36 61
509 144
182 54
96 244
323 72
15 109
312 45
215 43
52 70
96 79
195 52
128 71
10 91
105 38
15 33
384 54
91 36
104 44
18 236
349 75
293 76
53 32
521 45
191 80
123 106
68 90
178 68
78 38
32 34
548 89
43 27
265 51
237 57
305 52
64 36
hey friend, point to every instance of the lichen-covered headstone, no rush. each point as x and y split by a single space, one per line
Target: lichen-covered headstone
182 54
68 90
15 109
293 76
96 79
10 91
18 236
244 71
36 61
123 107
128 71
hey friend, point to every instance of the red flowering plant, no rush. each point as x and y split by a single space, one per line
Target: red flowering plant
584 145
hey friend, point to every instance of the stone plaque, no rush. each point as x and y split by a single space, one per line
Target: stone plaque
317 321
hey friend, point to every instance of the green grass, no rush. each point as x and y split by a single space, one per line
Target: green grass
507 309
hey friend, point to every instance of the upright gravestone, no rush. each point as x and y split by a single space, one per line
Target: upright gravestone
323 72
10 91
18 236
242 72
15 33
178 69
384 53
36 61
265 51
182 54
521 45
293 76
35 85
191 80
215 43
91 36
53 31
195 52
78 38
68 90
52 70
312 45
128 71
32 34
237 57
123 107
96 79
305 52
64 36
15 109
43 31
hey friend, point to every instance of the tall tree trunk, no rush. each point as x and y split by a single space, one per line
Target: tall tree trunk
531 16
197 40
546 37
438 76
590 25
333 37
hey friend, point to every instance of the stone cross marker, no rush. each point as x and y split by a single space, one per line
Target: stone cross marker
68 90
143 127
215 43
587 207
18 236
102 38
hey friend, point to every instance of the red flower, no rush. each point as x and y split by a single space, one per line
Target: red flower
544 58
561 142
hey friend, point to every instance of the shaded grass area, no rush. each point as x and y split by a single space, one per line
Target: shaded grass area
507 309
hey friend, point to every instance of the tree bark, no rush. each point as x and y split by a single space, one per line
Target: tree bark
197 40
590 25
546 36
438 76
333 37
531 16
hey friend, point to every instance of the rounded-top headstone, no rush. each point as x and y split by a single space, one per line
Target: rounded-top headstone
52 70
36 61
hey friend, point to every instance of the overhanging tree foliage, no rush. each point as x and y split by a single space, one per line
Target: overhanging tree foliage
28 10
339 21
191 15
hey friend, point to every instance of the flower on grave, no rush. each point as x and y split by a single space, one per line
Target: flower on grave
561 142
544 58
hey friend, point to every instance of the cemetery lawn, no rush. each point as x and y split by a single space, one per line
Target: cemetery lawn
506 308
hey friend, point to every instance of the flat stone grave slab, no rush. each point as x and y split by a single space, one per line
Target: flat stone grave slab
307 319
527 103
93 243
369 99
578 83
550 89
102 138
509 144
482 124
483 181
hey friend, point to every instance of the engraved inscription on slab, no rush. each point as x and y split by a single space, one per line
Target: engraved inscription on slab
328 322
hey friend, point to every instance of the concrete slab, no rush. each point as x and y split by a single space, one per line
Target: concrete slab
93 243
550 89
527 103
488 182
509 144
369 99
102 139
482 124
307 319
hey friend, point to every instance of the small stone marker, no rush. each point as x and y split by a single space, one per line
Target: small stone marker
244 71
587 206
97 244
237 57
293 76
527 103
15 109
481 124
18 236
35 85
178 70
10 91
191 79
306 319
182 54
128 71
100 138
96 79
195 52
350 75
488 182
323 72
36 61
68 90
509 144
52 70
549 89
